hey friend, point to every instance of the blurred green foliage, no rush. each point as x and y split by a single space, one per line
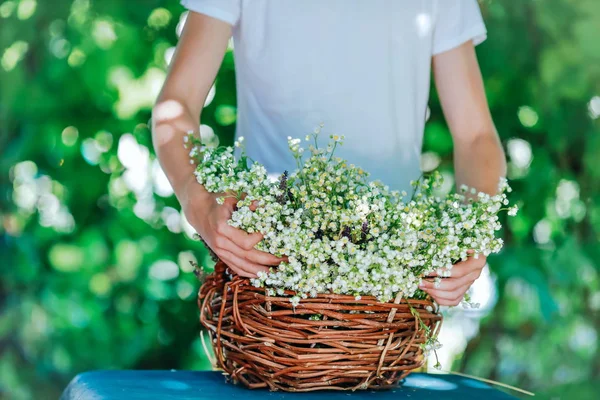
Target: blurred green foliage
95 256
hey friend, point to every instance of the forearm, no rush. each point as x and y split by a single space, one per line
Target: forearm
171 121
479 162
192 71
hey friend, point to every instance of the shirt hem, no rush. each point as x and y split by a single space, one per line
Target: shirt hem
210 11
476 34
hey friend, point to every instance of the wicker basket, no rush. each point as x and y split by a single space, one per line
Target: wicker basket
331 342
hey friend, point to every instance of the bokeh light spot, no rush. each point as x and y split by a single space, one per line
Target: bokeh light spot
100 284
527 116
171 219
429 161
188 229
225 115
26 9
164 270
162 186
13 54
25 196
567 202
447 184
520 152
7 8
104 34
129 258
583 338
208 137
169 55
60 47
185 259
181 23
79 12
594 301
90 151
130 153
24 171
210 96
66 257
70 135
104 140
135 94
185 290
76 58
594 107
159 18
542 232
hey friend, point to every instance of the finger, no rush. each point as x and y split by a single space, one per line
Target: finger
243 239
449 294
249 266
443 295
449 303
449 284
226 257
232 266
457 270
263 258
255 256
466 267
245 242
463 268
250 269
470 255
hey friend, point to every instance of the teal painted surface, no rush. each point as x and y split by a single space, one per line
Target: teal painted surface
204 385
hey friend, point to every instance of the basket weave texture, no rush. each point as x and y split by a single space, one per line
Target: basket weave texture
331 342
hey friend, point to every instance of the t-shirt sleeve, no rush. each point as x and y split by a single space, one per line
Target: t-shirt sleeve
457 22
224 10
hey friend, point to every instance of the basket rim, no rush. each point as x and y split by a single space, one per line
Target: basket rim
244 284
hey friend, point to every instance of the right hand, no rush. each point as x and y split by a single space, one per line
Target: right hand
233 246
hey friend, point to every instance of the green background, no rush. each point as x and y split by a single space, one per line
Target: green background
94 262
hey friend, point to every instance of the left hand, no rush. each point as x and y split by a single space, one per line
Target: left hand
451 291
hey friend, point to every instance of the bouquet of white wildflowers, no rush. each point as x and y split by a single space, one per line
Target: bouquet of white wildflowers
343 233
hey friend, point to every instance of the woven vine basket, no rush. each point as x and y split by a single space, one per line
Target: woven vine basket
331 342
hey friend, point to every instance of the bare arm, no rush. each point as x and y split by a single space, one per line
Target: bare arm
193 69
479 160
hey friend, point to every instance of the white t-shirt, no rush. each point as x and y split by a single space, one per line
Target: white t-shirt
361 67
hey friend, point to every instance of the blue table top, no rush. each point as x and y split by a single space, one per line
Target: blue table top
201 385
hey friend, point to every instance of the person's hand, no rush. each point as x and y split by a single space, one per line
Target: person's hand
232 245
451 290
